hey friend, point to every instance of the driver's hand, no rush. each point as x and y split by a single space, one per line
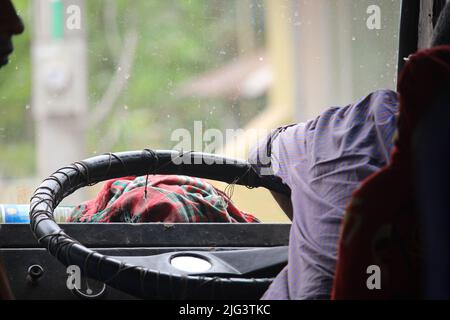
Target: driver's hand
10 25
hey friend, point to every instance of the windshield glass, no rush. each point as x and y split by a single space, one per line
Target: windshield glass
98 76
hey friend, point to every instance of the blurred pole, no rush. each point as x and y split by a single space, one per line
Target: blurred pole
245 32
59 101
280 48
246 45
313 57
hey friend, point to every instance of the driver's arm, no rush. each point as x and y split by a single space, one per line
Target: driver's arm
284 202
267 159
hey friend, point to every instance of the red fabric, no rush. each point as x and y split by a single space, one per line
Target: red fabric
170 198
381 224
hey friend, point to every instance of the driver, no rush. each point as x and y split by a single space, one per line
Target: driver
323 161
10 25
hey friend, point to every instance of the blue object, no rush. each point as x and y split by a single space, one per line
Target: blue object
15 213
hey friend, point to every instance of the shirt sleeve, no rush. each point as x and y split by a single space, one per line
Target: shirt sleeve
270 156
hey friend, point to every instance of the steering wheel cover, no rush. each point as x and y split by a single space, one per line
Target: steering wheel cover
136 280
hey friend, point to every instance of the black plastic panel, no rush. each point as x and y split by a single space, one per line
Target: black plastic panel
157 235
19 249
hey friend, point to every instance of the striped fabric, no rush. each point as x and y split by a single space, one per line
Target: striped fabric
170 198
323 161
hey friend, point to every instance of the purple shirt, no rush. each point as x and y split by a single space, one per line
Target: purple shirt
323 161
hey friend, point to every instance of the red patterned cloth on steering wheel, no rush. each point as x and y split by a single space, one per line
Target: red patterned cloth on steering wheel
167 198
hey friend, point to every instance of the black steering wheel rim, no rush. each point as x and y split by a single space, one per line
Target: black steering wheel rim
136 280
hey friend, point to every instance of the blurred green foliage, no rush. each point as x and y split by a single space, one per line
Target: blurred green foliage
177 41
16 126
